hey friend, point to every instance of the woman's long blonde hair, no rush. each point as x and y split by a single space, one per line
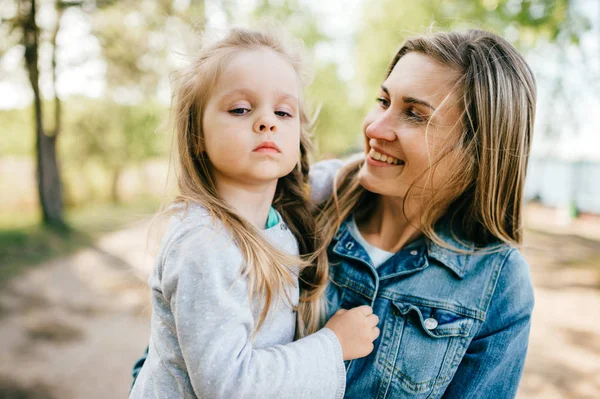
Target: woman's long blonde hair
269 270
483 199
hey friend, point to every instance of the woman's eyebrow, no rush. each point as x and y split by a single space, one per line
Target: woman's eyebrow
410 100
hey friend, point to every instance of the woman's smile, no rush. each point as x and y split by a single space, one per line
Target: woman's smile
381 158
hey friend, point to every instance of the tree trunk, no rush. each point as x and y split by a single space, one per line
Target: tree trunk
116 199
49 183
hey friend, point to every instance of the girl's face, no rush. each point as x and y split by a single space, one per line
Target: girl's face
251 122
409 128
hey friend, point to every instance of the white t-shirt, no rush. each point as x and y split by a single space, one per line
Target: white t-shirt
378 256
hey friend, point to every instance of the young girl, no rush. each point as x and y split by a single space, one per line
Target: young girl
225 290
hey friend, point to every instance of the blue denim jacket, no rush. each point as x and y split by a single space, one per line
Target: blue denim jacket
452 325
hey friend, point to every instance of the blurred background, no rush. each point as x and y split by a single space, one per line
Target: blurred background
85 146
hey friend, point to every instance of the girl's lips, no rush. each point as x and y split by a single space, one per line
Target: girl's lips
266 150
267 146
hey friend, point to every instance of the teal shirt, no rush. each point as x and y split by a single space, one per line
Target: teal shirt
272 219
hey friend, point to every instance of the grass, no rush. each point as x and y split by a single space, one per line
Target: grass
11 389
54 331
25 243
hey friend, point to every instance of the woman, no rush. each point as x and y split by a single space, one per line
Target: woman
424 227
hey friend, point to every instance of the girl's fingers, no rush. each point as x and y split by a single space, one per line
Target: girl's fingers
376 333
373 319
365 310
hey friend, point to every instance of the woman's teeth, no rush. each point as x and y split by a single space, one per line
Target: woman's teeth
384 158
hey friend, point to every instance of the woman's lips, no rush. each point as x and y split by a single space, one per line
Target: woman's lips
384 158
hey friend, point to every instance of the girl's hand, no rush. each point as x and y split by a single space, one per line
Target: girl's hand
356 329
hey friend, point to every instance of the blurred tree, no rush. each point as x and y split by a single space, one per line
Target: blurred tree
48 176
135 39
138 40
19 20
113 135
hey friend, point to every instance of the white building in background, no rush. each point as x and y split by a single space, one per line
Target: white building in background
564 170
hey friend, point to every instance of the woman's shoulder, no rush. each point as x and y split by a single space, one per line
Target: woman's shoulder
322 175
512 287
516 276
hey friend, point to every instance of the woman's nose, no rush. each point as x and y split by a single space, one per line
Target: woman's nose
380 128
265 124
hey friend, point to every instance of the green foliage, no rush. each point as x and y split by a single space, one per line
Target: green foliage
17 132
296 18
101 138
134 39
338 124
112 134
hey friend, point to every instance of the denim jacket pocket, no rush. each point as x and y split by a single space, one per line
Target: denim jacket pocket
428 344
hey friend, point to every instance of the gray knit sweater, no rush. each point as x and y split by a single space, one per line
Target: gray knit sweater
202 322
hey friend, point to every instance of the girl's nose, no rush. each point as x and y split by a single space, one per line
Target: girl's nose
265 124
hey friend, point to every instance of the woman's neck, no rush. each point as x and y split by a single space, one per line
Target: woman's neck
388 227
252 202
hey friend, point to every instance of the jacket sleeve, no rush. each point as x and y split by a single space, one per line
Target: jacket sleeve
493 363
214 322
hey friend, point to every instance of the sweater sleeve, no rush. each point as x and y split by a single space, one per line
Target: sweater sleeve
214 322
321 178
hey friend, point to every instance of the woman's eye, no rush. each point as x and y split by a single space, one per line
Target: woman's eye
415 116
383 102
239 111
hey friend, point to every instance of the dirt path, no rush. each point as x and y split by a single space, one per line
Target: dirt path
564 351
72 328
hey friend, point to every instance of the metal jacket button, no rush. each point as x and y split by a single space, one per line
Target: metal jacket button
430 323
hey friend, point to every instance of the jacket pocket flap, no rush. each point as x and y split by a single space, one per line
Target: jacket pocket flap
436 322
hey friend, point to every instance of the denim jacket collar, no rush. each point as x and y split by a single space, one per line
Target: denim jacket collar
455 261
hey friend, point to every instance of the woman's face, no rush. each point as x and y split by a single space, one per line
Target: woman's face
414 122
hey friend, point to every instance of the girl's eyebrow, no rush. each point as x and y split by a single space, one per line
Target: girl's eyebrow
250 93
410 100
235 92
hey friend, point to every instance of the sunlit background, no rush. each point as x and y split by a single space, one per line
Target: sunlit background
88 102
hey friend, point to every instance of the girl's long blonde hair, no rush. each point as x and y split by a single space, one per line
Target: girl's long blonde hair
269 270
483 199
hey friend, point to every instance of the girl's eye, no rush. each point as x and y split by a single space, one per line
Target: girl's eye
384 102
283 114
239 111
